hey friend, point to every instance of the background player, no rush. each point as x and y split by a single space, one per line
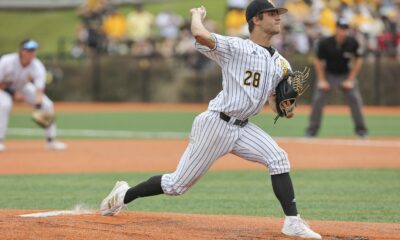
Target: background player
23 74
251 70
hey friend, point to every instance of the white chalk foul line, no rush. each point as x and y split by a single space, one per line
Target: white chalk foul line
98 133
344 142
57 213
180 135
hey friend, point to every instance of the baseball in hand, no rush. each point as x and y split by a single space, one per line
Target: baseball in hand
203 12
200 10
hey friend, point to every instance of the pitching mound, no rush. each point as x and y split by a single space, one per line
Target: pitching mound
145 225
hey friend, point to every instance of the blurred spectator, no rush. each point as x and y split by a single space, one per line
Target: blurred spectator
345 9
145 48
237 4
315 8
168 24
185 48
282 41
374 23
389 39
166 47
80 44
367 27
327 19
140 23
389 9
114 28
300 39
92 13
235 19
293 38
185 45
313 34
298 10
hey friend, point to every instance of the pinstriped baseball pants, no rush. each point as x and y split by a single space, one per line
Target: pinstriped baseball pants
212 138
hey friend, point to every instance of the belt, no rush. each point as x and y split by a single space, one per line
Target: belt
238 122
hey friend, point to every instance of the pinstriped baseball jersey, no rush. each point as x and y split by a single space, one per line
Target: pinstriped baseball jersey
250 74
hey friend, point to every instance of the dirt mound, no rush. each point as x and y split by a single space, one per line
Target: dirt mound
146 225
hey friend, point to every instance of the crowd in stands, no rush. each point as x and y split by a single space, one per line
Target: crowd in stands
375 23
140 33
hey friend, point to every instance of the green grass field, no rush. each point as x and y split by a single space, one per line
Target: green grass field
180 122
343 195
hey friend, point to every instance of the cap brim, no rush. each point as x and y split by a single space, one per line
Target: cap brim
280 10
342 26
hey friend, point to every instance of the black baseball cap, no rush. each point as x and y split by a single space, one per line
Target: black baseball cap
258 6
342 23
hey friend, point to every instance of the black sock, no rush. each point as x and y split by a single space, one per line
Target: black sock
283 189
148 188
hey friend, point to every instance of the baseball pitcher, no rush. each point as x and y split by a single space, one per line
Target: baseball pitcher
251 72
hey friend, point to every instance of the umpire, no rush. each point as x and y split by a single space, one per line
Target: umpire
338 61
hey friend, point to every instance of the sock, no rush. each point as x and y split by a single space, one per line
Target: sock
283 189
148 188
